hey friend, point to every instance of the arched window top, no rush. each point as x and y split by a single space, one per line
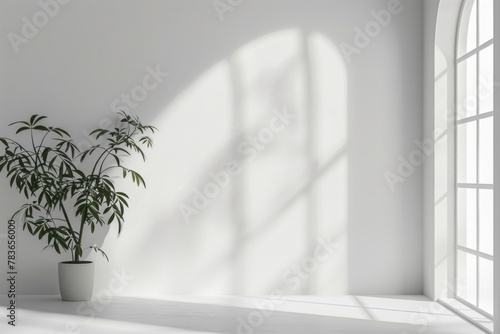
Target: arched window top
475 26
475 59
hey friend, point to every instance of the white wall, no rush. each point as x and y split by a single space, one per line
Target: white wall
322 177
430 14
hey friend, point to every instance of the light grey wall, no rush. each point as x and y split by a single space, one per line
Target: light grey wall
323 177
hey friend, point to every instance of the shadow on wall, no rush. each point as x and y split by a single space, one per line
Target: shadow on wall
259 168
251 195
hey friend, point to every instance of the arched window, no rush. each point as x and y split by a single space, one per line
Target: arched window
474 157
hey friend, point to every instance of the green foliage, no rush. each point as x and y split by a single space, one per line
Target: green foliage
48 172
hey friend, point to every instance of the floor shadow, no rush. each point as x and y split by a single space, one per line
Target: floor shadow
232 316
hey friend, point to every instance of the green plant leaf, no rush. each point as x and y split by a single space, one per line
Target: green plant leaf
117 159
41 128
97 249
38 119
21 129
60 132
20 122
32 119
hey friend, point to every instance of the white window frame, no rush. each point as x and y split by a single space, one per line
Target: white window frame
476 185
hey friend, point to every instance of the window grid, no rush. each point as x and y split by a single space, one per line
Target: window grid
475 117
475 51
472 185
474 252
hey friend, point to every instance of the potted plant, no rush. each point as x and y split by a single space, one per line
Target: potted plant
71 192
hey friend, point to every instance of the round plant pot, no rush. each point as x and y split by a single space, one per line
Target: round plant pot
76 280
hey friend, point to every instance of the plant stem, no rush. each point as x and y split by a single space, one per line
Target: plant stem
67 220
84 218
34 150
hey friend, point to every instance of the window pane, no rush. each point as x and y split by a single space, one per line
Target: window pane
467 278
466 152
467 218
467 88
486 80
486 285
485 20
486 221
467 32
486 150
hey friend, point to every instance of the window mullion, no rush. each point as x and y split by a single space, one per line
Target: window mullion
478 108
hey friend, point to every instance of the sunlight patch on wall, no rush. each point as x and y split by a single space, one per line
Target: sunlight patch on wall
276 111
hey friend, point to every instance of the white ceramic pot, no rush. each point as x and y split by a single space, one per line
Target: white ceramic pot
76 280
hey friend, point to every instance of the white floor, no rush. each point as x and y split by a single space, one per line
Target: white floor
302 314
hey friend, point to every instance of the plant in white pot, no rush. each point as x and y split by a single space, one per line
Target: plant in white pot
71 192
